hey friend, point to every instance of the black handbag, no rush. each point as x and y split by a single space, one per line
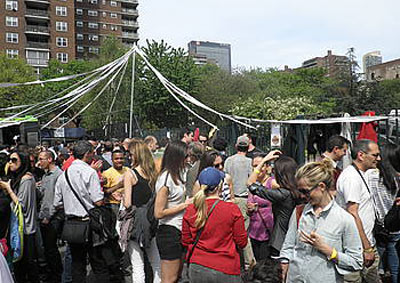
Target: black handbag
392 218
76 230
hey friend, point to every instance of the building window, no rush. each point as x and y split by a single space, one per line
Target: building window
92 13
11 21
79 36
61 26
93 25
104 2
62 42
79 24
93 37
11 5
79 12
113 4
104 26
61 11
104 14
62 57
94 50
79 48
79 1
12 37
113 28
93 2
113 15
11 53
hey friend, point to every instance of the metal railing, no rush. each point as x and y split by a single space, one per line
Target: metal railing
130 1
133 12
32 44
130 35
130 23
37 12
32 28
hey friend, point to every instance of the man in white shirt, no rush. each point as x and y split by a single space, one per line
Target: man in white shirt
354 196
86 183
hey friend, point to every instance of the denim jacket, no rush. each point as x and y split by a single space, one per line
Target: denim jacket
338 229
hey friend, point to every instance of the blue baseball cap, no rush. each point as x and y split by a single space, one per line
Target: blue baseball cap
211 177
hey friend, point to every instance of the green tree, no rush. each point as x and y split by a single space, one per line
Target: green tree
155 106
14 70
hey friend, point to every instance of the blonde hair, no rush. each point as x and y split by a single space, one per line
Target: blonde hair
314 173
142 157
199 202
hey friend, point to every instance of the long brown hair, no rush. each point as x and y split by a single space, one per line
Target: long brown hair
142 157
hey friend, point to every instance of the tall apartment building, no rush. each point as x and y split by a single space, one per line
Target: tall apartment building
204 52
39 30
335 65
371 59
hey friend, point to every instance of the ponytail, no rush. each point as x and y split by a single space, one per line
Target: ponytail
199 202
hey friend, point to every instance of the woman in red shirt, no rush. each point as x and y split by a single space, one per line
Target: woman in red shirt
215 258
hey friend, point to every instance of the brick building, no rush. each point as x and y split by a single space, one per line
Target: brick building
39 30
385 71
336 65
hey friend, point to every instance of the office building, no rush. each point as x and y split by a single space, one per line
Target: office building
39 30
371 59
204 52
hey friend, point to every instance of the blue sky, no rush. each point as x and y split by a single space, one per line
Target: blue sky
266 33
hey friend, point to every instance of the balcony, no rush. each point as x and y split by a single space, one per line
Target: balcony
37 45
132 24
37 62
130 35
39 1
42 30
37 13
135 2
131 12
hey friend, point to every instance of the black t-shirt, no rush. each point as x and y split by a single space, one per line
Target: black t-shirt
5 213
141 192
253 153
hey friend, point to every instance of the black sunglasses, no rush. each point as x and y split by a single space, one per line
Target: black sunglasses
218 165
13 159
307 192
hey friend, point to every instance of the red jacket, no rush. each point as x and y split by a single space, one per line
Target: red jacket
223 231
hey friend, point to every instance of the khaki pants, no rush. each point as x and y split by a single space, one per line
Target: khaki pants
368 275
248 255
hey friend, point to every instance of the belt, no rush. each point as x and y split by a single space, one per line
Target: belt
71 217
236 196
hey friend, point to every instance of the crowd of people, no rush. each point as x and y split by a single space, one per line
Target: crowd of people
143 210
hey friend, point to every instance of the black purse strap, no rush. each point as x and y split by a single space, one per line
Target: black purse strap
369 191
199 234
75 193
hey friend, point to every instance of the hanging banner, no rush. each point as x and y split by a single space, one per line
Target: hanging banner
276 138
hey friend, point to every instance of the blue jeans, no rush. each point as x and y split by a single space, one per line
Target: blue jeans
391 256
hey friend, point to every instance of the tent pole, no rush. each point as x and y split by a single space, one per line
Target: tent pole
132 92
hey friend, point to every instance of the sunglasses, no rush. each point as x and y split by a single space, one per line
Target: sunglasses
202 141
307 192
218 165
13 159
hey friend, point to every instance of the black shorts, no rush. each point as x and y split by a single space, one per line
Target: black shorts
169 244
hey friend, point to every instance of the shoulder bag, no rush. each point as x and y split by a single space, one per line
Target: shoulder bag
76 230
380 231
